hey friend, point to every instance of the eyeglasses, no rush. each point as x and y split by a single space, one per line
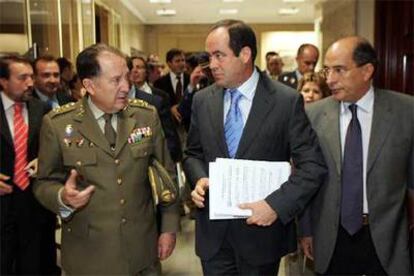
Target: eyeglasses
339 71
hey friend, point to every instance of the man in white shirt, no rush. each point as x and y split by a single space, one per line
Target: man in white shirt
27 229
357 223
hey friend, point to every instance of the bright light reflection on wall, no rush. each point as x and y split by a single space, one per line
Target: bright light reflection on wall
286 44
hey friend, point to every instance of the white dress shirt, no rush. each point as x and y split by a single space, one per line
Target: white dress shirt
8 105
174 80
248 90
364 112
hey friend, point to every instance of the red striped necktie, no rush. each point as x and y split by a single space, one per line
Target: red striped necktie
21 178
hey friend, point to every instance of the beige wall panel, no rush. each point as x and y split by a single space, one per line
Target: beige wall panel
16 43
161 38
339 20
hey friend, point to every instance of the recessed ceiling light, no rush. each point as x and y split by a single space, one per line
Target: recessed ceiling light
293 1
166 12
160 1
288 11
232 1
228 11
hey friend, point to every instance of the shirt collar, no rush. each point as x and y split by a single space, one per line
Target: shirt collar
174 76
298 74
146 88
7 102
97 113
45 98
248 88
366 103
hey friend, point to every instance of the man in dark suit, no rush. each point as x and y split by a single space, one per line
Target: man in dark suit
140 89
47 86
358 222
27 229
176 81
274 65
274 128
306 59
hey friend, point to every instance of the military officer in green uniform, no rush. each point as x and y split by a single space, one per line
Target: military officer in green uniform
93 161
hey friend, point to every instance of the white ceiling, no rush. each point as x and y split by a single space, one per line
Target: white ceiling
207 11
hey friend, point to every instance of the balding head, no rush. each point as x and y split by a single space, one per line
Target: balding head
349 66
307 58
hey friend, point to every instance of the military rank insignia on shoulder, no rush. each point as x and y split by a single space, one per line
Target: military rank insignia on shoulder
62 109
140 103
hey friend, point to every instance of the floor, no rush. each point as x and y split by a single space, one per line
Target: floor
184 262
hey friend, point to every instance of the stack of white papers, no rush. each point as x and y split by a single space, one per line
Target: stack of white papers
233 182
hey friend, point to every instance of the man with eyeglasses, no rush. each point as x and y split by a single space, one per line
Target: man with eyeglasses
306 59
357 223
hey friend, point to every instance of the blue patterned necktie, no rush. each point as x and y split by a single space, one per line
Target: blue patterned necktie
233 127
352 177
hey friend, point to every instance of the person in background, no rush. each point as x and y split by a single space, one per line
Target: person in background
66 74
140 89
154 68
76 87
93 172
313 87
358 222
306 60
27 245
274 65
47 86
175 82
245 115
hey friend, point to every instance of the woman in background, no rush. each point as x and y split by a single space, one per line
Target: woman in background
313 87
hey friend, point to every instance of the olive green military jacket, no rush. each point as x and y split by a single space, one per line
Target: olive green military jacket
116 232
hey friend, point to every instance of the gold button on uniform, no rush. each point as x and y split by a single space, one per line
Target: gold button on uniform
119 181
122 201
69 229
123 220
78 163
117 161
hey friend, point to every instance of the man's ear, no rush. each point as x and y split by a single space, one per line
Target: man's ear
368 71
89 85
245 54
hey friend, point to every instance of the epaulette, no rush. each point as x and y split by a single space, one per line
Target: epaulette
62 109
140 103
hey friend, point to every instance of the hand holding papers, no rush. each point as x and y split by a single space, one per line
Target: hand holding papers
233 182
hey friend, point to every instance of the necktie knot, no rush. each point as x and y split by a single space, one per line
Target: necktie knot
353 108
18 107
107 117
235 96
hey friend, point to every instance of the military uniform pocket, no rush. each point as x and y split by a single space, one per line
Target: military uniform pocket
76 158
141 150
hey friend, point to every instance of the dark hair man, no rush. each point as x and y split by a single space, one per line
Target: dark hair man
93 163
272 126
176 81
47 85
357 223
27 229
141 89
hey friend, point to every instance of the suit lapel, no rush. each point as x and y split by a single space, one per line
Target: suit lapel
35 114
4 127
262 104
332 133
125 126
381 124
89 128
216 116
